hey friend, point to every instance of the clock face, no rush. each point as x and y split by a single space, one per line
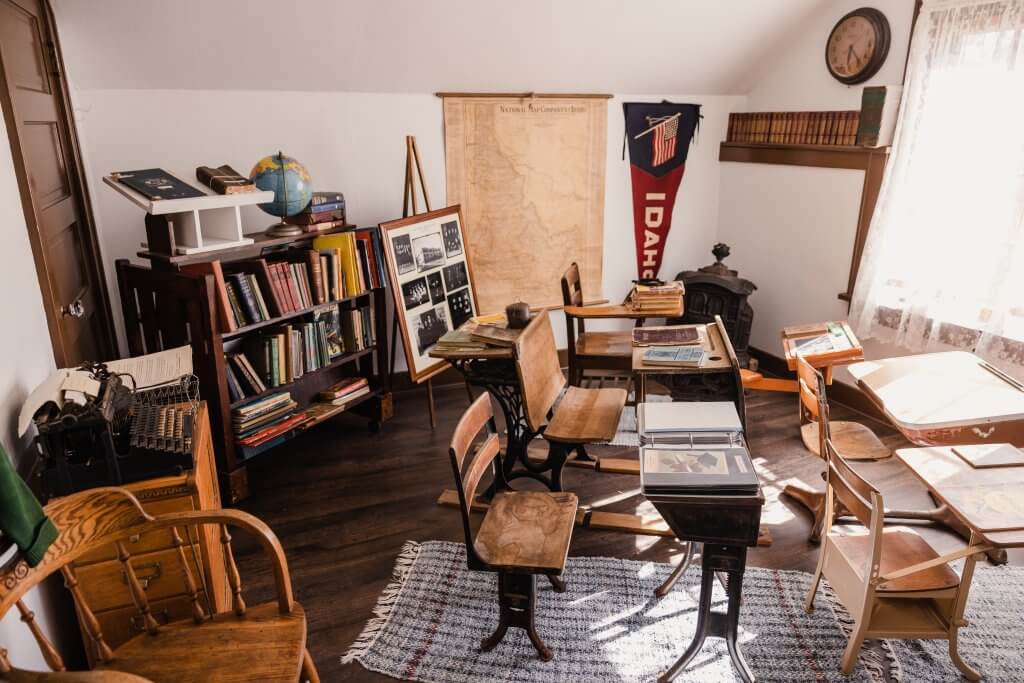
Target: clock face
858 45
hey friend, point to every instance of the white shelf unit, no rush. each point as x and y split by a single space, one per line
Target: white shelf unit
201 224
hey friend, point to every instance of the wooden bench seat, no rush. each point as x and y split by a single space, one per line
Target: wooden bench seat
587 415
527 532
582 416
900 548
618 344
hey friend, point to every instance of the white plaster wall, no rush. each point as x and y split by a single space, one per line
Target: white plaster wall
355 142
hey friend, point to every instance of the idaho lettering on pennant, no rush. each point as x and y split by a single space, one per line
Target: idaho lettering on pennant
658 136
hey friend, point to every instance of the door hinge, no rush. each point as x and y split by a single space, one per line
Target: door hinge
51 49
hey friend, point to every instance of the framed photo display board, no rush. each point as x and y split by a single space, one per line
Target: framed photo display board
432 283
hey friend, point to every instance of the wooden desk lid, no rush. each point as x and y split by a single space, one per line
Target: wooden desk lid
936 390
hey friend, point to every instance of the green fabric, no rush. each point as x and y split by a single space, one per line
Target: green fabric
21 517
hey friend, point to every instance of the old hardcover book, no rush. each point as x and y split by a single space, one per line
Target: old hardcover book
666 470
316 277
671 335
257 291
234 300
879 107
676 356
246 297
321 198
268 288
156 183
225 314
327 215
224 180
495 335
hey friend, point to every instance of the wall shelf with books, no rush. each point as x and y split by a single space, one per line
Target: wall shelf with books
307 312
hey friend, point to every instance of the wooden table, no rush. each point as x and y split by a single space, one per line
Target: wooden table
622 311
717 380
989 502
944 398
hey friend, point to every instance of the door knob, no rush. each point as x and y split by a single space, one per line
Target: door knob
76 309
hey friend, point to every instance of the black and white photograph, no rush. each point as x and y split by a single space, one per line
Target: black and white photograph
455 276
414 293
461 307
431 325
436 286
452 241
428 251
404 261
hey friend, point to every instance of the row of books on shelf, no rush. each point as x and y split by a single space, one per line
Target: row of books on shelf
263 422
283 354
795 127
339 266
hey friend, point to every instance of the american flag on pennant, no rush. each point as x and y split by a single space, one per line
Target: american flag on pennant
663 139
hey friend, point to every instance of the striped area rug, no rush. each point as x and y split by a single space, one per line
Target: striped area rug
608 626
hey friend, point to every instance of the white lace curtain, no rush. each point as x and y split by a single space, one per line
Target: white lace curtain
944 261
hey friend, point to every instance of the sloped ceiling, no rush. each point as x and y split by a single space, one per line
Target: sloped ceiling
616 46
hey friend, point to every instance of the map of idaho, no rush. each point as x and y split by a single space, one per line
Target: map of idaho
529 175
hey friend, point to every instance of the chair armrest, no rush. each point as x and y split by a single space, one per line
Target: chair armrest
943 559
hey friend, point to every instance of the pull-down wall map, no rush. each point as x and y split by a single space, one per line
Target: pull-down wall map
529 175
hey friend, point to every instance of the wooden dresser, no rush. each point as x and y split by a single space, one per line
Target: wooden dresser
154 556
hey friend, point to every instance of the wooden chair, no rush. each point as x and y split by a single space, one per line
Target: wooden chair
265 642
582 416
891 581
524 533
854 441
592 350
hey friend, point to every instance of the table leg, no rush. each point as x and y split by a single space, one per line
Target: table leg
732 561
662 590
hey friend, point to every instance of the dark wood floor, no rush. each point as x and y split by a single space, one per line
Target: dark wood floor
343 501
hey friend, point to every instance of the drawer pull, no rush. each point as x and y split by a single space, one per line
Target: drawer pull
138 624
146 573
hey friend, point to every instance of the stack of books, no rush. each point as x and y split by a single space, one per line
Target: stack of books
667 297
325 210
671 335
675 356
351 262
345 391
461 339
265 419
246 302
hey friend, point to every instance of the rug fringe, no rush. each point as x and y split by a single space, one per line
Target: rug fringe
877 663
385 603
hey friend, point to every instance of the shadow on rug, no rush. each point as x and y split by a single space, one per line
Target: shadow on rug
607 627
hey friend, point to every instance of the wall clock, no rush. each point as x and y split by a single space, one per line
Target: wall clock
857 46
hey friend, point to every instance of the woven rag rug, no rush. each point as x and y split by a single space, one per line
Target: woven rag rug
609 626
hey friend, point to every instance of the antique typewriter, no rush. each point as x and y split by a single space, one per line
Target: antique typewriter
121 435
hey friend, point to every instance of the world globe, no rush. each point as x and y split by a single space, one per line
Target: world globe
287 179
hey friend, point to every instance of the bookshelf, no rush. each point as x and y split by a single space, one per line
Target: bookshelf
166 305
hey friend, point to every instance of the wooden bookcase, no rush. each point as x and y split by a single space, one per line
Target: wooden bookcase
165 307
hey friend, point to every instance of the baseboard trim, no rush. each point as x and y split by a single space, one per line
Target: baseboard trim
840 392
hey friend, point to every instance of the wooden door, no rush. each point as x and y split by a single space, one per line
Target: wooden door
36 109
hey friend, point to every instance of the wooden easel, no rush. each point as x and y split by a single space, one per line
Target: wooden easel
410 208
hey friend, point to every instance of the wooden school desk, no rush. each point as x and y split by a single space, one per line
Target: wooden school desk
944 398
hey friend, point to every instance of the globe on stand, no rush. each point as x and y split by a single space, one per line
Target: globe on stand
292 187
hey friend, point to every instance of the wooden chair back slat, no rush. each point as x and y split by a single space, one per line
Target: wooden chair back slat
572 288
476 419
808 398
137 591
191 587
50 654
470 424
853 491
540 373
89 621
234 579
737 376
